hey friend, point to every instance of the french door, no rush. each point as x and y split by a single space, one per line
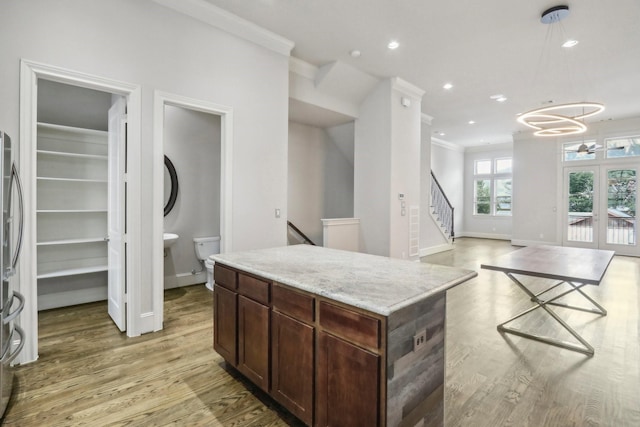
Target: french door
600 206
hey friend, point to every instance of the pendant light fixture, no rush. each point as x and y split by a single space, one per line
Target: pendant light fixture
560 119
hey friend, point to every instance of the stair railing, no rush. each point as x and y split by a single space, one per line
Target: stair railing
442 207
304 237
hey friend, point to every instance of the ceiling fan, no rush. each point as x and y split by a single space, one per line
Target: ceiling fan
590 149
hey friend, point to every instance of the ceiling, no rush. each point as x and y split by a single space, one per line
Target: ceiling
483 48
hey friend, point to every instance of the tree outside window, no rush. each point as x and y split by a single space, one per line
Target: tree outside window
492 187
482 197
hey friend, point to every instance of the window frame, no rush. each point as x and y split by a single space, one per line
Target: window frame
492 178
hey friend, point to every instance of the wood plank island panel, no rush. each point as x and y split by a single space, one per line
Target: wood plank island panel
370 309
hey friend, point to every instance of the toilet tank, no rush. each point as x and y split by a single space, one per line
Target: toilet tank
206 246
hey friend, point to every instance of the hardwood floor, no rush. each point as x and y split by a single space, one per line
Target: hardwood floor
90 374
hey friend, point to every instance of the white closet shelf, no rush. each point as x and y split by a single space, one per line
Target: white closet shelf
73 271
71 210
75 155
52 179
72 241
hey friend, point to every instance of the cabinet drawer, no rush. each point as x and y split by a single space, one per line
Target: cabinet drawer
297 305
358 328
224 277
256 289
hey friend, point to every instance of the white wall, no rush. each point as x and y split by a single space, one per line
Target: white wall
320 178
144 43
307 148
338 178
387 163
372 171
485 226
447 163
192 143
538 180
405 166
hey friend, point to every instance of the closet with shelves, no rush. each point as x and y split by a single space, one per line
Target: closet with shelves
72 195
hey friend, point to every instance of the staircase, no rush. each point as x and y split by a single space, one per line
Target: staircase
441 209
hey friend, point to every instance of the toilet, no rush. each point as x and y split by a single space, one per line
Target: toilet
206 246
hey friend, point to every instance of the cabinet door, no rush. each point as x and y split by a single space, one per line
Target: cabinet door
348 384
253 341
292 344
225 323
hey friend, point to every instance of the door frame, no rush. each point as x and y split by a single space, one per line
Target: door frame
595 169
30 72
160 99
600 209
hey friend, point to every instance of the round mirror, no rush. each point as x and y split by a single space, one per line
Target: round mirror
170 185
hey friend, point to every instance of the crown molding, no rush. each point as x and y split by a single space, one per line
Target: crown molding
447 145
406 88
230 23
426 119
302 68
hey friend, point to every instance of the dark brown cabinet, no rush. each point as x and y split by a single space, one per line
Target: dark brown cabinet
348 368
320 360
292 345
253 341
225 319
225 324
348 384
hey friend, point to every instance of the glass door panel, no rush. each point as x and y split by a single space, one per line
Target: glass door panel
621 207
580 202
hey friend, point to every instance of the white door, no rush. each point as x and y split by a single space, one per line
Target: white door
580 202
618 209
600 207
116 224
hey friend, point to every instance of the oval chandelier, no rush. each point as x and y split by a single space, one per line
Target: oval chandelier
557 120
560 119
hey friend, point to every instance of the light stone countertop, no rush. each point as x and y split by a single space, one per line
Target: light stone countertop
379 284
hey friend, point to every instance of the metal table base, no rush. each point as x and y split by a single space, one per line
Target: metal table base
586 348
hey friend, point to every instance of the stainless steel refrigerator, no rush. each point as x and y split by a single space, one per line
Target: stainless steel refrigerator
11 301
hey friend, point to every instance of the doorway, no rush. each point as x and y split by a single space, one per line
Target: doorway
600 205
31 74
225 113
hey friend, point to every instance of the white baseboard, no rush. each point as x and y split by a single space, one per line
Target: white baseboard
186 279
484 235
435 249
79 296
519 242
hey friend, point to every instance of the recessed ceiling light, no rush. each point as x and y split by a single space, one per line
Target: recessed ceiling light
570 43
447 86
498 97
393 45
441 133
471 122
355 53
502 99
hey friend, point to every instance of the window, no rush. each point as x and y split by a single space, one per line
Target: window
492 187
503 166
623 147
482 197
580 150
483 167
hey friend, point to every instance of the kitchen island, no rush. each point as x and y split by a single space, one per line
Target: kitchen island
338 338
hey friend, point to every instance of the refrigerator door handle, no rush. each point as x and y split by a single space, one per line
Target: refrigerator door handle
9 317
10 355
16 254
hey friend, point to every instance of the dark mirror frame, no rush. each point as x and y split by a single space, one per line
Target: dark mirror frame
174 185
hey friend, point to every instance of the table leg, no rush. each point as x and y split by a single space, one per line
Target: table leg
585 348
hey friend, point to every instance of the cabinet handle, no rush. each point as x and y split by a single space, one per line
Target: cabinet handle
14 173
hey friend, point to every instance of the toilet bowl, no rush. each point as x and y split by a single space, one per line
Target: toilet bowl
205 247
